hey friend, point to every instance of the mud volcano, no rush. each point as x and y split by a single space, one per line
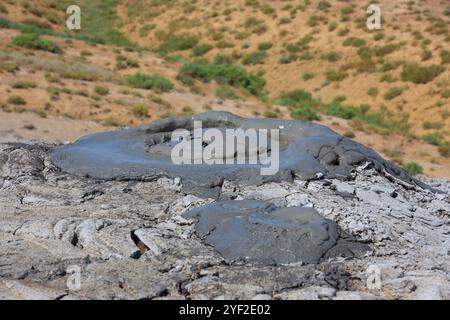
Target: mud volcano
307 151
258 232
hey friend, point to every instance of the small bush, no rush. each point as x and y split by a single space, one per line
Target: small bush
349 134
9 66
151 82
16 100
373 92
284 60
387 78
347 10
101 90
253 58
354 42
445 94
432 138
444 149
413 168
201 49
445 56
297 99
33 41
387 49
265 46
420 75
223 73
24 85
3 9
426 55
225 92
432 125
140 111
305 113
123 62
323 5
307 76
339 110
378 36
393 93
255 25
336 75
331 56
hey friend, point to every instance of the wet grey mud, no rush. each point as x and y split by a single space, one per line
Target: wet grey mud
307 151
259 232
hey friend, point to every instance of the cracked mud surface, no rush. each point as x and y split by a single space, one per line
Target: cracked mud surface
131 239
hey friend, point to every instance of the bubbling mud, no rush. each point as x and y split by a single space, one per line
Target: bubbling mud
306 151
258 232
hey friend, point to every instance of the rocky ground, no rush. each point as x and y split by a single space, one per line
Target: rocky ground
129 240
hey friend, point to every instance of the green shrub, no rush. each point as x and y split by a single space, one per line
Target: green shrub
123 62
140 111
432 125
24 85
373 92
225 92
152 82
387 49
445 94
223 73
37 23
343 32
413 168
348 112
305 113
354 42
285 59
445 56
201 49
349 134
263 46
444 149
101 90
33 41
307 76
420 75
255 25
347 10
432 138
253 58
3 9
339 98
393 93
388 66
178 43
378 36
9 66
297 99
383 118
387 78
336 75
331 56
323 5
426 55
